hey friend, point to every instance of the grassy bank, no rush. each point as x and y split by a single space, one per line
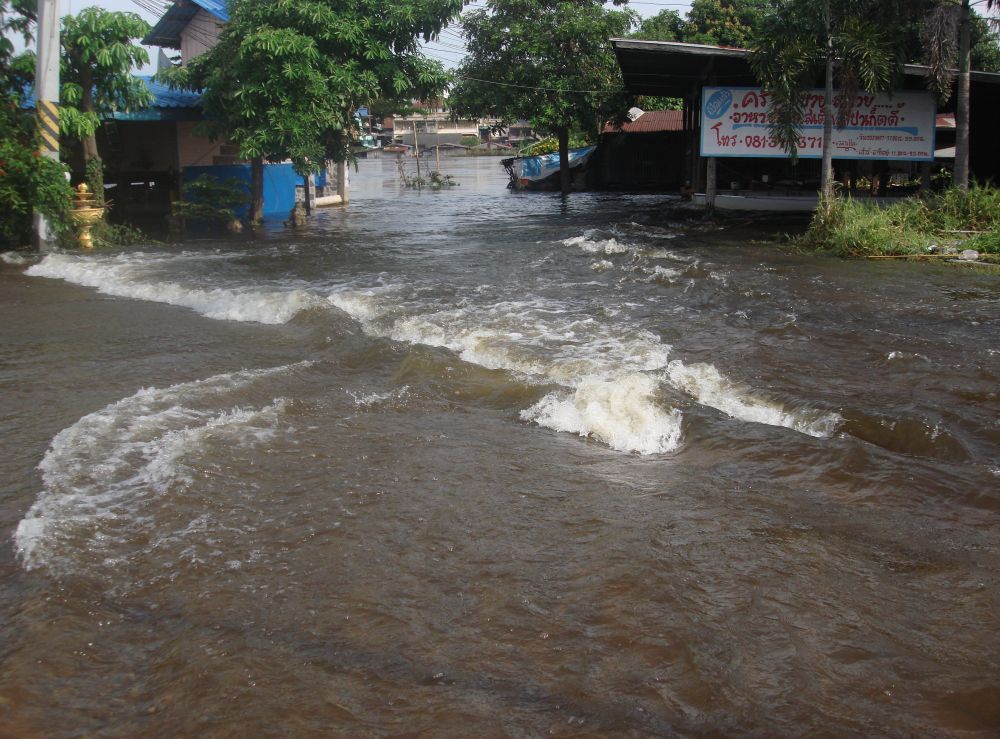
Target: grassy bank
948 221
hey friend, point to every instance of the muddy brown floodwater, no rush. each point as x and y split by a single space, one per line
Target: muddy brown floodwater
473 463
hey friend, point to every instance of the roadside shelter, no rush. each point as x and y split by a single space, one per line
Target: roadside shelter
687 71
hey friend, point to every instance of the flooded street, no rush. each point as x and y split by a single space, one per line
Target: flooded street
475 463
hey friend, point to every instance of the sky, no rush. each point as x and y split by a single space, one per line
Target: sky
447 49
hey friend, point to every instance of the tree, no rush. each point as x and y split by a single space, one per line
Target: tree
715 22
839 39
545 60
726 22
948 38
667 25
99 55
286 76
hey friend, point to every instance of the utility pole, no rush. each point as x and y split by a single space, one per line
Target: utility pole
47 101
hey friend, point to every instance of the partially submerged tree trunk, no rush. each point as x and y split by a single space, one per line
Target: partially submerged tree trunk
826 196
961 173
565 184
256 189
93 164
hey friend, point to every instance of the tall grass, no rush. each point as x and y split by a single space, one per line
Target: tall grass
953 218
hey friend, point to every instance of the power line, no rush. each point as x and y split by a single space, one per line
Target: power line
532 87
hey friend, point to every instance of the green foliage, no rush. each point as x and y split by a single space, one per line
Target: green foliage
725 22
285 78
793 48
656 102
551 144
28 181
440 181
715 22
208 198
667 25
985 45
94 177
98 57
545 60
106 234
857 228
469 141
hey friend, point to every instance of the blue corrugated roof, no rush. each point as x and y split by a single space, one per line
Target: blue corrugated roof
163 97
168 105
168 98
216 8
167 31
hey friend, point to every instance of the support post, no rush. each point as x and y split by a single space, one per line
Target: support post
711 186
47 102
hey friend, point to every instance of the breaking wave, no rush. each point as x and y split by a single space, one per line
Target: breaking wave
131 277
621 413
107 473
705 384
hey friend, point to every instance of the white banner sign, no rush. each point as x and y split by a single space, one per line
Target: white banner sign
734 123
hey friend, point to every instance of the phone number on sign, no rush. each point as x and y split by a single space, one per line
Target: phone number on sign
769 142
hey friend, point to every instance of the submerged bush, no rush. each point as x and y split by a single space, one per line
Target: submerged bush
28 181
952 219
208 198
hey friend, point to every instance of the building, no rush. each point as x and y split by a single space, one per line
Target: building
166 144
640 154
688 71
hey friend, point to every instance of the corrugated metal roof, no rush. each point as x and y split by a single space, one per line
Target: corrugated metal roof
168 105
167 98
216 8
163 97
652 121
167 31
945 120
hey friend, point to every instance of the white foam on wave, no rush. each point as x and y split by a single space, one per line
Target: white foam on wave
372 400
111 467
659 273
128 276
610 369
544 342
592 243
622 413
706 385
18 258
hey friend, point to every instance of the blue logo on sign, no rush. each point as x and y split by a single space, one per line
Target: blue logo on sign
718 103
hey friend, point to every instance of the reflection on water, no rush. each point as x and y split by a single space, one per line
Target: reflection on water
474 463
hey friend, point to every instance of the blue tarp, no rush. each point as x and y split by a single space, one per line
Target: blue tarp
279 184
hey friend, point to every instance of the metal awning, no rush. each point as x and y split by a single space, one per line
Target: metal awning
675 69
